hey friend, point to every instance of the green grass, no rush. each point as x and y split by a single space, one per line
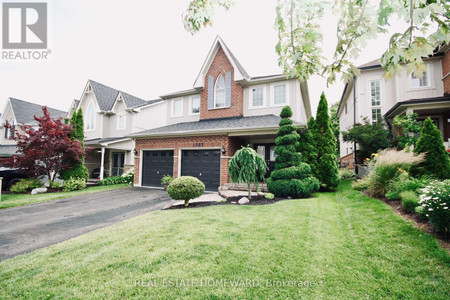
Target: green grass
345 244
12 200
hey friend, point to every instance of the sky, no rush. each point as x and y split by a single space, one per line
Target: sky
141 47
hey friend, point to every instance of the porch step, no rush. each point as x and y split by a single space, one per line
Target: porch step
242 187
92 182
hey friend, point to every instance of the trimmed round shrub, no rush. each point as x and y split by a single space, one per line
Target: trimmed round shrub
78 171
301 171
269 196
185 188
295 188
409 200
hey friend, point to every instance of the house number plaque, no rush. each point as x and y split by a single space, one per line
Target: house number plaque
198 145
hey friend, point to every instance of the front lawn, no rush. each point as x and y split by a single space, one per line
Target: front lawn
338 245
12 200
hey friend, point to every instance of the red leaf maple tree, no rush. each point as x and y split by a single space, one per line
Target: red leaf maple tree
47 149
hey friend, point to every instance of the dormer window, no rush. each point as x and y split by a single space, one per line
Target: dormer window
121 122
219 92
90 117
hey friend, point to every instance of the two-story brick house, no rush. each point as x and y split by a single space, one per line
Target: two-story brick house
225 109
369 95
110 116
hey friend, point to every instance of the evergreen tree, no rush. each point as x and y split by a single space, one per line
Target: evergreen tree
306 146
291 177
327 169
78 169
437 162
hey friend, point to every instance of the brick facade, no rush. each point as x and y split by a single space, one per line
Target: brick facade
221 65
446 72
231 144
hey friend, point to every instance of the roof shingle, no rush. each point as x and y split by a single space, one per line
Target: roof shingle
25 111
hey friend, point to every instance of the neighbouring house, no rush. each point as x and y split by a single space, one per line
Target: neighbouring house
225 109
110 116
369 95
16 113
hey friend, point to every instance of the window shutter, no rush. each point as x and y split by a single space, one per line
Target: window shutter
13 130
210 92
228 89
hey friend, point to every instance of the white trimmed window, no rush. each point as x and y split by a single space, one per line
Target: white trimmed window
90 117
376 115
195 105
417 82
257 97
279 96
219 92
375 93
121 122
177 108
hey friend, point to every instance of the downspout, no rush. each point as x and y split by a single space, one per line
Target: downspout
354 123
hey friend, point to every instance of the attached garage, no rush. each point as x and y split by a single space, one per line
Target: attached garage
202 164
156 164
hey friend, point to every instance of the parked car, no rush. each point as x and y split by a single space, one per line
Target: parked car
10 177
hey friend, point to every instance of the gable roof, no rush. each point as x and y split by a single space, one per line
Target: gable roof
25 111
106 96
239 71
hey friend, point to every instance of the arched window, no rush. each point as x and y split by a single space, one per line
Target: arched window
219 92
90 117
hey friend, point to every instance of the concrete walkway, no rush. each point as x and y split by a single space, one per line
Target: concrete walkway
27 228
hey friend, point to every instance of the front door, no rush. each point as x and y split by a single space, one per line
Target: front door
267 152
118 162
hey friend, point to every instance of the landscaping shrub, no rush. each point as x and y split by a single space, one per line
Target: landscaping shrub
435 200
78 171
26 185
166 179
55 185
437 162
392 196
291 177
362 184
404 182
346 174
409 200
185 188
126 178
306 146
326 168
246 166
388 166
269 196
420 211
74 184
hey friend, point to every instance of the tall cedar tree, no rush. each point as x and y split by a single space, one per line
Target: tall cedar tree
306 146
246 166
46 150
291 177
437 162
327 169
78 169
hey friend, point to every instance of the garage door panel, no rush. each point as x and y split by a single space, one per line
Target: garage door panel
202 164
155 165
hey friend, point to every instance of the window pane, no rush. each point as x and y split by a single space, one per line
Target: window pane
376 115
375 93
177 109
419 82
220 98
196 105
257 96
261 150
121 122
279 94
272 153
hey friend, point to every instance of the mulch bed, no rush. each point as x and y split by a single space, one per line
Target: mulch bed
422 224
256 200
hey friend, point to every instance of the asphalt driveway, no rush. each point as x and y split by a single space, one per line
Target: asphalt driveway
27 228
